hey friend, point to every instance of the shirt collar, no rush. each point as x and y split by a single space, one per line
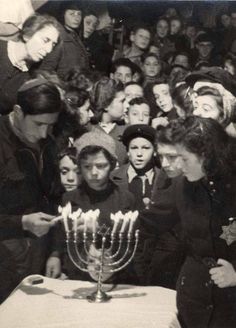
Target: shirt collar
132 174
16 50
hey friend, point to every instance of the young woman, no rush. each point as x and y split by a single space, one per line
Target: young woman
36 39
205 200
152 68
208 103
108 98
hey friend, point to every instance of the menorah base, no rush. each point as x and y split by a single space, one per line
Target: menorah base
99 297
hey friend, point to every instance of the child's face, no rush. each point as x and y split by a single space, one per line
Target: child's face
123 74
141 38
151 66
162 28
95 170
116 108
139 114
72 18
163 98
90 25
140 152
68 173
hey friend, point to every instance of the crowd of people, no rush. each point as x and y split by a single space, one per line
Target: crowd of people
151 127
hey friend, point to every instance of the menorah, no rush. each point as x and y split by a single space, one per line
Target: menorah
99 251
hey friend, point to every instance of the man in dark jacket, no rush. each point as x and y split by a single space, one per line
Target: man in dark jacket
26 179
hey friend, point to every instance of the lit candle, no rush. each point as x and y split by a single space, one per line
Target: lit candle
66 211
133 219
95 216
116 218
126 219
75 217
84 215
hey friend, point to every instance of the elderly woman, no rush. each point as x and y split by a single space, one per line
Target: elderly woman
205 201
37 38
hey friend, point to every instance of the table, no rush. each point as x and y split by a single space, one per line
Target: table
63 304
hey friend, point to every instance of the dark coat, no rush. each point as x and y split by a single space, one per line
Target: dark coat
160 254
26 184
204 207
100 52
119 176
11 78
69 53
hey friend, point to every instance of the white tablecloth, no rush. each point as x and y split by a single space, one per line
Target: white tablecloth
56 303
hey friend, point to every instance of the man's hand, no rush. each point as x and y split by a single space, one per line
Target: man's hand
223 275
53 267
37 223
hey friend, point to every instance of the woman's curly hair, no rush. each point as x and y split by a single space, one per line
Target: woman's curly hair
207 139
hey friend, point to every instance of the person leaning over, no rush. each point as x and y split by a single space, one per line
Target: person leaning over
26 178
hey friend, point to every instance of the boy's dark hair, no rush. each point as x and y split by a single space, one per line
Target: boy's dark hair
122 62
138 101
42 99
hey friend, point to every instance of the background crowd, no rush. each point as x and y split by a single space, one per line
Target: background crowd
145 124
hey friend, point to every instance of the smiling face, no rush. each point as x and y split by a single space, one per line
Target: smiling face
151 66
163 98
35 127
190 163
140 152
169 159
68 173
95 170
72 18
141 38
41 43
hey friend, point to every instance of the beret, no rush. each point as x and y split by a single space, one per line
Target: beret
96 138
215 75
139 130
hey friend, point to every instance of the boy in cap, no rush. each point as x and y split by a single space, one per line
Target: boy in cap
140 173
96 159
